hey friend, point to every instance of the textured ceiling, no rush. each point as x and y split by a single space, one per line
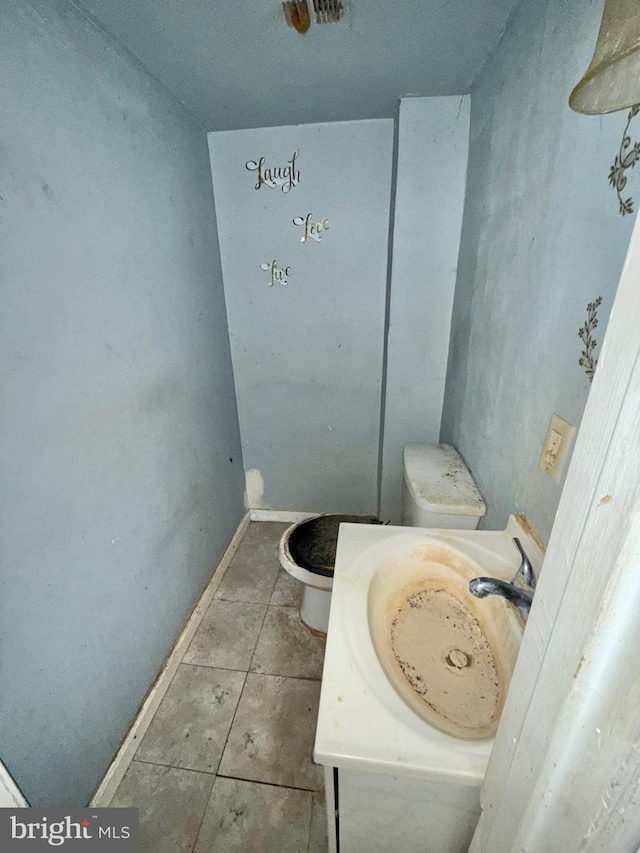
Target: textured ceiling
236 64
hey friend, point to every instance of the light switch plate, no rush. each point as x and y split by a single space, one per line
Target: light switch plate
559 437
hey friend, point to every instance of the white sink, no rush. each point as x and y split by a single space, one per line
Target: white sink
448 655
372 718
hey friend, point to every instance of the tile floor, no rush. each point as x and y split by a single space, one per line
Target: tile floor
226 764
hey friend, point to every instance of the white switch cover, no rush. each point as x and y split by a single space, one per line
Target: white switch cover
557 441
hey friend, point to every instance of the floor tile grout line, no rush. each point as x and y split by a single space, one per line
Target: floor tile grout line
219 596
310 791
253 654
215 775
268 784
292 677
206 808
275 580
242 601
224 776
212 666
235 711
294 606
253 671
233 719
174 767
229 668
313 796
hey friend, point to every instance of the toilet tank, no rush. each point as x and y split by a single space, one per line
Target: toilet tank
438 489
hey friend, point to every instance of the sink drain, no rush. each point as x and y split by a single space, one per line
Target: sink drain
457 659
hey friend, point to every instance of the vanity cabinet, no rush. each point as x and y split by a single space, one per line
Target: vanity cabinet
377 813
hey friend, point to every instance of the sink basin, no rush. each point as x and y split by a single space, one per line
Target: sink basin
448 655
373 719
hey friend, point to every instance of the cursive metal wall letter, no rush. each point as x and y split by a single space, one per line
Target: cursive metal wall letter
311 229
285 177
277 275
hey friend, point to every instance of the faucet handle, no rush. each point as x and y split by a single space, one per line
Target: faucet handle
526 569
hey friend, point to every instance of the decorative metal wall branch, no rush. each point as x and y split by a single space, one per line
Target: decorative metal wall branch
626 158
586 359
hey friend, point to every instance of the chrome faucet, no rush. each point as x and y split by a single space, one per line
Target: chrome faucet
519 592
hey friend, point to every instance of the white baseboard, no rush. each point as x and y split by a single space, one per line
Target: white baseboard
289 515
118 767
11 796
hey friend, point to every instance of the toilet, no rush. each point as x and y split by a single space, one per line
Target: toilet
437 491
308 552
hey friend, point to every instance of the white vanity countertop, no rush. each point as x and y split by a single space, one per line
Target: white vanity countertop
363 724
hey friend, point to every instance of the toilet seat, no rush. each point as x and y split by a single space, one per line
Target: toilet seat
289 564
309 557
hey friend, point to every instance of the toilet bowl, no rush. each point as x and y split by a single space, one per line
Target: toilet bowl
437 491
308 552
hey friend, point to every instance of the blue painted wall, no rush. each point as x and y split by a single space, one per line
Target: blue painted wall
307 357
432 150
118 413
542 237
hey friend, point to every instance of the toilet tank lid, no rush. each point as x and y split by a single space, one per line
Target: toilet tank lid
439 481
